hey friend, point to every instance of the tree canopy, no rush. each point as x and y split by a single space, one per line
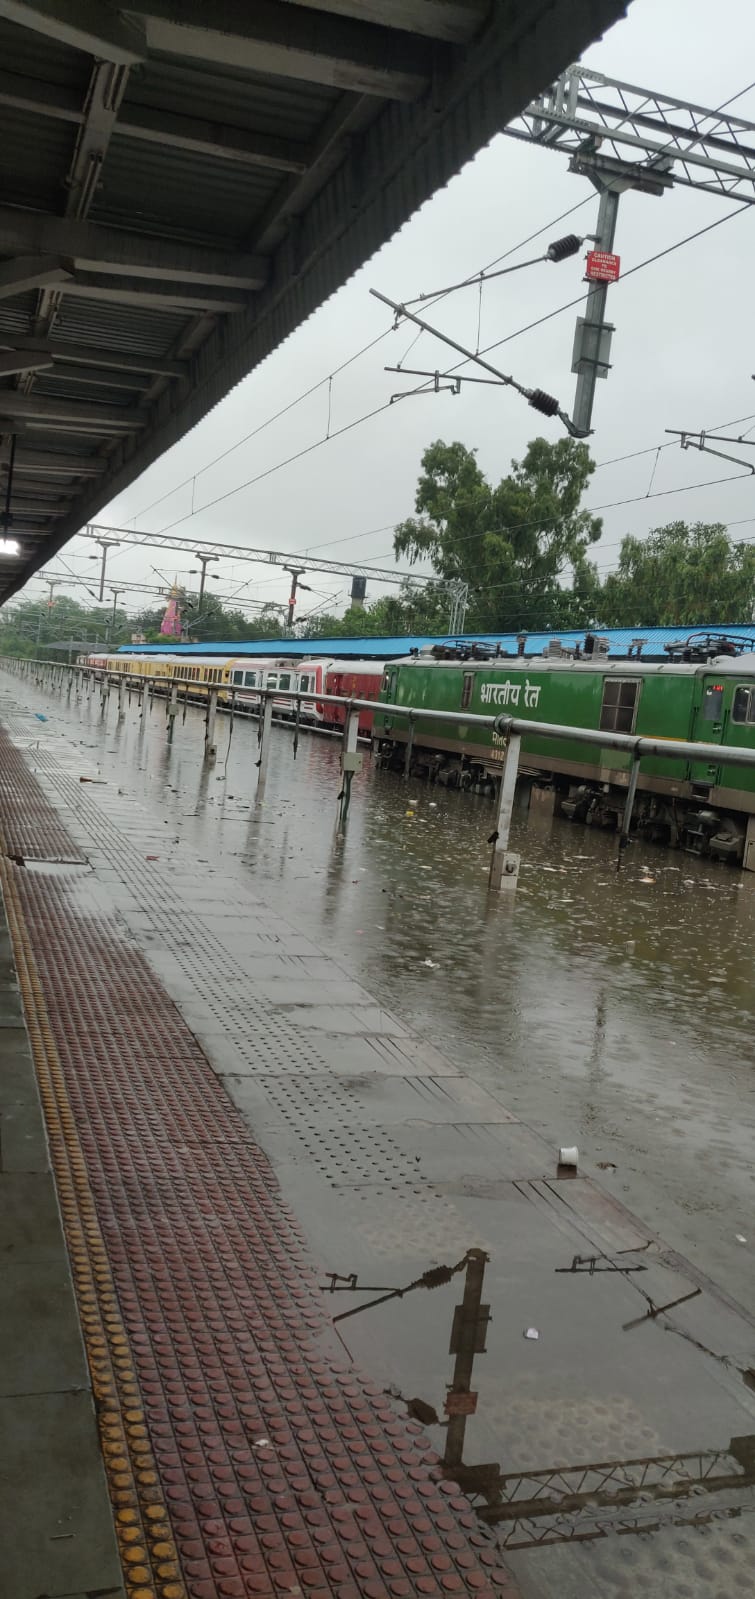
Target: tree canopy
513 542
681 575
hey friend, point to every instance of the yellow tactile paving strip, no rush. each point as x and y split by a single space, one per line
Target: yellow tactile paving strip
147 1551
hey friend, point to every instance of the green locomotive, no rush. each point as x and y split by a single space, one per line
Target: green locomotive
703 690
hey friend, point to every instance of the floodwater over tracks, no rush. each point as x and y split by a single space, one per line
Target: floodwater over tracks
608 1010
612 1010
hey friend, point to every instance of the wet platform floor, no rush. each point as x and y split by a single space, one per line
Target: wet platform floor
391 1159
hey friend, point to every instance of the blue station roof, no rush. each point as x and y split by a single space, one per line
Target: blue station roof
383 649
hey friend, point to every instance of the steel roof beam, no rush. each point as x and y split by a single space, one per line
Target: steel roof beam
161 296
94 26
98 377
37 408
43 463
94 248
455 21
23 360
65 355
30 272
288 41
166 128
344 123
213 139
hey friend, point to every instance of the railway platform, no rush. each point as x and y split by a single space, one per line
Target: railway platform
240 1139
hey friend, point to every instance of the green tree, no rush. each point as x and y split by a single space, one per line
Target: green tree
681 576
513 543
211 622
417 608
35 627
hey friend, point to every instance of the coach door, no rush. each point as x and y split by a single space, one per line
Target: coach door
709 726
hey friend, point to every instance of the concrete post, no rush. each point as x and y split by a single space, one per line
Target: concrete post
210 750
265 730
504 866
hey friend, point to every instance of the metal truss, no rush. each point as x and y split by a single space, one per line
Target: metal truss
239 552
574 1503
586 114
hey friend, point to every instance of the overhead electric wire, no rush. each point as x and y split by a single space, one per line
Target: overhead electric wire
349 361
377 410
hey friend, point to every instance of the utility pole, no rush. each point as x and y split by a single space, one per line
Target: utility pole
105 545
204 561
470 1323
111 628
622 136
592 341
294 572
52 583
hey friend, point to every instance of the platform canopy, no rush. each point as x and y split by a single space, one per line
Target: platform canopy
182 182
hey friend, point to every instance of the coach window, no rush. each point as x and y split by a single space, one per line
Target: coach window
237 677
713 702
284 680
743 709
466 690
250 679
619 708
304 683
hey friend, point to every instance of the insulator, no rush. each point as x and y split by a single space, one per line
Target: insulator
561 248
540 401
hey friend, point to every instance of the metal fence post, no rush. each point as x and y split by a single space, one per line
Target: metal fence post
626 820
265 730
121 687
172 711
210 750
409 748
504 865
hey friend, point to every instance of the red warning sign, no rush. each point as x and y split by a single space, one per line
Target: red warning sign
602 266
460 1404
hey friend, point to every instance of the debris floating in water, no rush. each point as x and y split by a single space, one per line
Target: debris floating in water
531 1332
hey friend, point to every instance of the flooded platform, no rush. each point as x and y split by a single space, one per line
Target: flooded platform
275 1115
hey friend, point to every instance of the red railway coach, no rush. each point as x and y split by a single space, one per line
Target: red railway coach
359 680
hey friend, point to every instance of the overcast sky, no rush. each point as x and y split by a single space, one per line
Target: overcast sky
682 354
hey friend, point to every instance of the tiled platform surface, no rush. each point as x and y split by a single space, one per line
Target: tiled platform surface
56 1528
389 1160
253 1458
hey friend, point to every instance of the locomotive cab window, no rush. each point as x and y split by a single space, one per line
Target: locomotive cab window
619 707
466 690
304 683
743 708
713 702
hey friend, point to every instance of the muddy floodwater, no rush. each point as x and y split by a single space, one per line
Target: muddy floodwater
612 1010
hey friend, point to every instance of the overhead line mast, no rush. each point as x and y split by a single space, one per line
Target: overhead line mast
624 137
